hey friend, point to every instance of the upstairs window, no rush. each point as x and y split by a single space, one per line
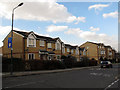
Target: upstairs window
77 51
84 52
102 52
49 45
68 50
110 53
72 51
58 46
42 43
63 48
31 42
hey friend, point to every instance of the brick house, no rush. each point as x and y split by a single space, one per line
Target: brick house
28 45
110 53
73 51
98 50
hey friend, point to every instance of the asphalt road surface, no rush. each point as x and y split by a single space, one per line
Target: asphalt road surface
94 77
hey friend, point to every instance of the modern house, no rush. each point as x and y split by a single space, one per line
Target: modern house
29 45
73 51
98 50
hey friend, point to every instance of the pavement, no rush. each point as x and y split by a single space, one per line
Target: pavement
26 73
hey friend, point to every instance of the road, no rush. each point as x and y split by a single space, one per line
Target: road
94 77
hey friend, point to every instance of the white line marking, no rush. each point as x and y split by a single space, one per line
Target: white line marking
111 84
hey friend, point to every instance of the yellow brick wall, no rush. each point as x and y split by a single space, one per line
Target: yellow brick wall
17 46
92 51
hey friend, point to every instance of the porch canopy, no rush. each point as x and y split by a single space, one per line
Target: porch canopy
43 52
51 53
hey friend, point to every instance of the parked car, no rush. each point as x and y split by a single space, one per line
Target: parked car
107 64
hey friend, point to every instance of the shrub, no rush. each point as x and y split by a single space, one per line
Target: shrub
70 61
18 64
92 62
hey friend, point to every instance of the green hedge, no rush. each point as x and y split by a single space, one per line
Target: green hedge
32 65
18 64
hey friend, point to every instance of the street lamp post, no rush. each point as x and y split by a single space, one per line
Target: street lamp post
12 36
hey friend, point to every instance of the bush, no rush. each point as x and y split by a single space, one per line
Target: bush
53 64
70 61
92 62
18 64
31 65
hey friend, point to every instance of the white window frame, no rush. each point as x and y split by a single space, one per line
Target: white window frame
68 49
42 43
30 54
72 51
34 38
49 45
84 52
58 45
77 51
110 53
102 52
63 48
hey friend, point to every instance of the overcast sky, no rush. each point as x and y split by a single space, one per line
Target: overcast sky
74 22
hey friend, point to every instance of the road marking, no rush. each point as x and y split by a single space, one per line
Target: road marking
111 84
96 74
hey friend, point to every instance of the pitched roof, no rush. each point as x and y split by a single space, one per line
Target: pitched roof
96 43
108 46
25 34
70 46
82 48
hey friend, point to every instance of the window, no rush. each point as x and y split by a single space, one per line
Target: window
49 45
84 52
102 52
31 42
80 52
110 53
63 50
58 46
68 50
72 51
87 47
77 51
42 43
31 56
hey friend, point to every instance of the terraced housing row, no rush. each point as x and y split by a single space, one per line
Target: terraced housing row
29 45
